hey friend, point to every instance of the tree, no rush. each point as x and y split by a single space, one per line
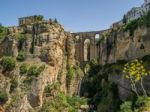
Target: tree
55 20
135 71
124 19
50 20
38 18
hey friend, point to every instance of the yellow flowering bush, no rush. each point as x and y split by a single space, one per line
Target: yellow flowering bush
135 71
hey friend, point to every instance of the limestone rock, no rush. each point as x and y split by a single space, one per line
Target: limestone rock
42 43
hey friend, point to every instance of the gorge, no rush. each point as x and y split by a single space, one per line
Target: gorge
47 69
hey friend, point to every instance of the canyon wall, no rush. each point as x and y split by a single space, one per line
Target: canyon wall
48 51
119 45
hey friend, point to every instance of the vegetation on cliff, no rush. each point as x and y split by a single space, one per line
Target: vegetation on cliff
3 31
3 96
35 70
29 82
103 93
133 25
24 68
135 71
62 102
21 56
8 63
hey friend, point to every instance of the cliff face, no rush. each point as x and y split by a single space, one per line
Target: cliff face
119 45
47 51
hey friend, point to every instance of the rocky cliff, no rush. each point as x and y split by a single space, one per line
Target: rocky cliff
118 44
41 53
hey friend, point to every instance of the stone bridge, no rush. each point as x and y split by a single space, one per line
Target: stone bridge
86 48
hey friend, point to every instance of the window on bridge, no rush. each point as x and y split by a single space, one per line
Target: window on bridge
87 50
77 37
97 37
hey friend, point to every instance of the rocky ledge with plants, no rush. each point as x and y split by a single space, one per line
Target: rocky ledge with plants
38 71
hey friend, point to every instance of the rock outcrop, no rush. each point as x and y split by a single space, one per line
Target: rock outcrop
119 45
46 47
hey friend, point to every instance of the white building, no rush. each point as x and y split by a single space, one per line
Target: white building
146 6
134 13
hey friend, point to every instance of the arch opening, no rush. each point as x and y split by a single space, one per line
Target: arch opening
77 37
87 50
97 37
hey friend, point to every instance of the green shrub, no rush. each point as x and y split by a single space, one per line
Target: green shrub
27 81
41 68
49 88
146 58
24 68
14 84
35 71
131 26
143 104
145 20
3 32
8 63
38 18
61 102
3 96
126 107
21 56
70 73
58 104
21 40
32 47
108 98
93 62
75 102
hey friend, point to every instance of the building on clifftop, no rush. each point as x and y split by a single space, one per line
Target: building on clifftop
146 6
30 19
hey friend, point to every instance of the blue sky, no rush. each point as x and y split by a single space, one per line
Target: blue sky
74 15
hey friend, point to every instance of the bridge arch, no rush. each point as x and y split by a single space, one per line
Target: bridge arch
87 43
86 46
97 36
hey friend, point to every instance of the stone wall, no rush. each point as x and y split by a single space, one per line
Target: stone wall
80 39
